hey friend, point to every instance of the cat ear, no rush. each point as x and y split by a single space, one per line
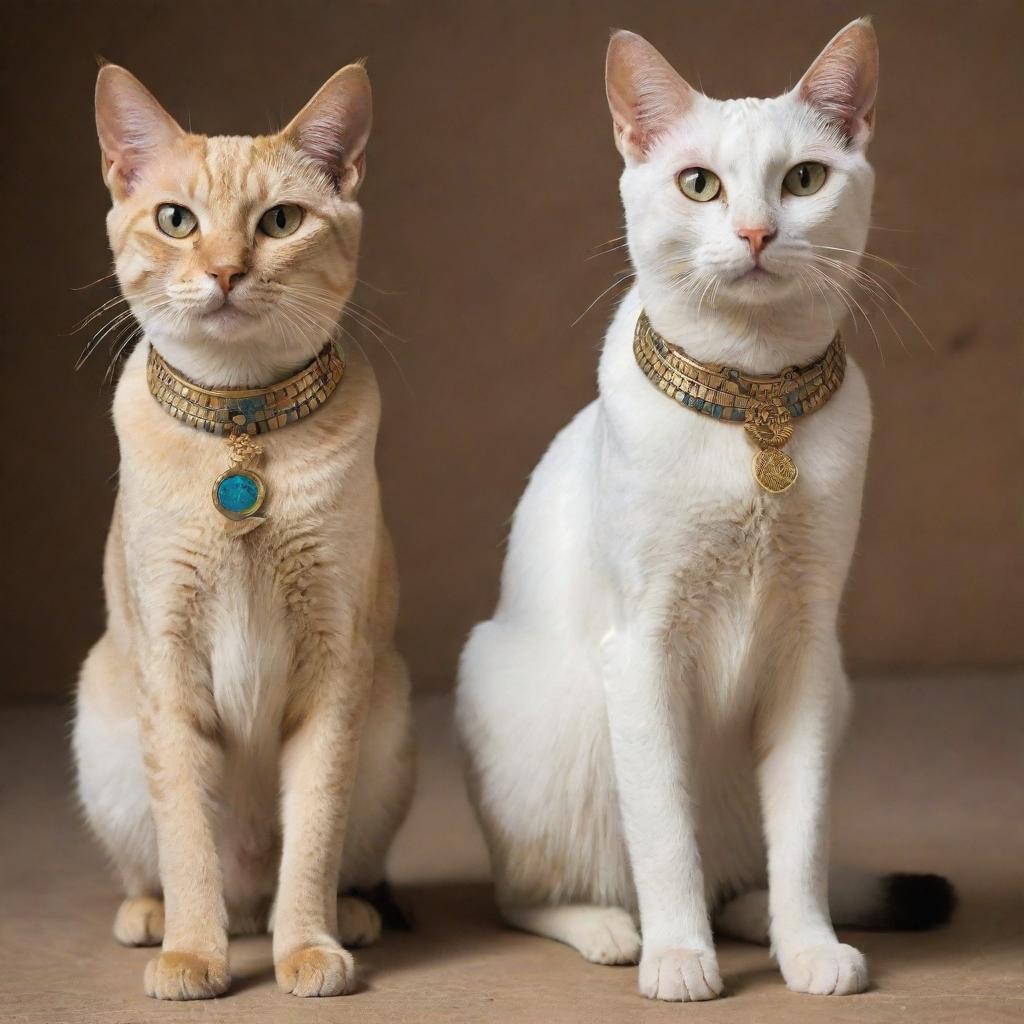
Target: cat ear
334 126
132 127
842 83
645 94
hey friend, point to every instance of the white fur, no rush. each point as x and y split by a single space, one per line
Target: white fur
663 667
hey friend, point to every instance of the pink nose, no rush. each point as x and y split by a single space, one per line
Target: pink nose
227 276
757 238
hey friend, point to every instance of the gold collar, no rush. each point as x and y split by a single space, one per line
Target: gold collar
765 405
245 410
240 493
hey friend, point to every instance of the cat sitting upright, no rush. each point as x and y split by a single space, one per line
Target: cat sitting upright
651 713
243 733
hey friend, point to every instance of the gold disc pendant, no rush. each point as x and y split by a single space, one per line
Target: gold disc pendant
774 470
769 425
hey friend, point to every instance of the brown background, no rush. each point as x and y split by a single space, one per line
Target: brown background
492 180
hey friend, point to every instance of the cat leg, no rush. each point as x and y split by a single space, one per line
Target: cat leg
603 935
533 725
184 760
796 737
651 755
380 799
112 789
318 768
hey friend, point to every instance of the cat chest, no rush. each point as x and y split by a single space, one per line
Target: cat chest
251 651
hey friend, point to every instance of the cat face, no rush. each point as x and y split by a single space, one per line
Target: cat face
229 244
745 202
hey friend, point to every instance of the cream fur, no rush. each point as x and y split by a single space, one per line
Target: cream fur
243 731
650 715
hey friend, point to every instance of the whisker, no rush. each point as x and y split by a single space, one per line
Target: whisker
881 292
376 288
358 312
618 281
847 298
92 284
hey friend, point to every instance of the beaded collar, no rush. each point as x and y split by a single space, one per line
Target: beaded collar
765 405
241 413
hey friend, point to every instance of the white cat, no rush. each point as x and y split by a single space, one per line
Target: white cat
664 650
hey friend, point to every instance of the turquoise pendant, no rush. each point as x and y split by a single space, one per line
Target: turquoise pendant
239 493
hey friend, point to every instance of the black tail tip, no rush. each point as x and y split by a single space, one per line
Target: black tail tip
917 902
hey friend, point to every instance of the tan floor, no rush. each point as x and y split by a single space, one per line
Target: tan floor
931 779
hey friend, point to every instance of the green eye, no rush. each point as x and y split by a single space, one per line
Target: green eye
805 179
281 221
176 221
699 184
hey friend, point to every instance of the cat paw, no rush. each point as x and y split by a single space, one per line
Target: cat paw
140 922
317 971
680 975
610 937
186 976
834 969
359 923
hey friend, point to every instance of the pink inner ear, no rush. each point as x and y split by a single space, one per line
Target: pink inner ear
333 128
645 94
842 82
320 139
834 87
131 124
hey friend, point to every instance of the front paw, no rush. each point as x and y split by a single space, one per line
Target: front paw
174 975
680 975
317 971
833 969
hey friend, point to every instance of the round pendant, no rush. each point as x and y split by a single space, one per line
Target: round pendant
774 470
239 493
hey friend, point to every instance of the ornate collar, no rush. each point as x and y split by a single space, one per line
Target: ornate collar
245 410
241 413
765 405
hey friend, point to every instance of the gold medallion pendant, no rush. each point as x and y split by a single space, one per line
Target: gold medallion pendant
774 470
766 406
770 427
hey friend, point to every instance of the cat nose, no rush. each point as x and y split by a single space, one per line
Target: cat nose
227 276
757 238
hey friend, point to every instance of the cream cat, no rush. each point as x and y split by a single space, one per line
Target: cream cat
243 733
651 713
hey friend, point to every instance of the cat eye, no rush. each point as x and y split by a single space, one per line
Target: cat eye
176 221
281 221
699 184
805 179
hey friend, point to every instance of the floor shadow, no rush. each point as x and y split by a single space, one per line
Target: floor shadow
987 921
739 981
251 977
449 921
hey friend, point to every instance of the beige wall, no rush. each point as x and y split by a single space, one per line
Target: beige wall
492 178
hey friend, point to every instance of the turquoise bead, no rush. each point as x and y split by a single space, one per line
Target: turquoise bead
237 493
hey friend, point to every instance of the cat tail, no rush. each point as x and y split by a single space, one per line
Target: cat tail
857 899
